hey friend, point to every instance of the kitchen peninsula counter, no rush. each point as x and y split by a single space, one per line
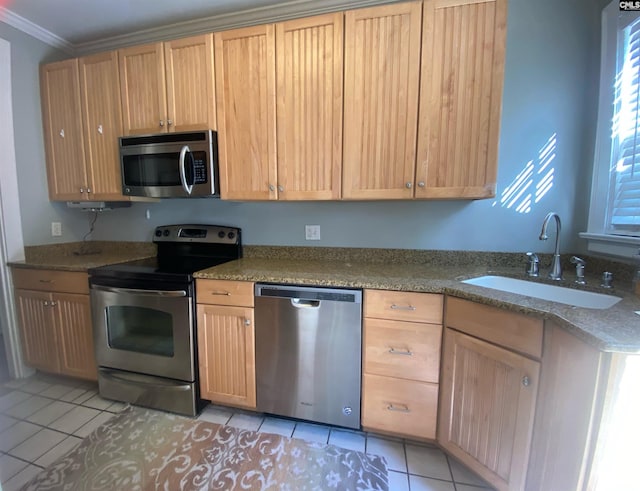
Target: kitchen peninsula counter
614 329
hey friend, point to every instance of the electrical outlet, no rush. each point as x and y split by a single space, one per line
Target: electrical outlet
312 232
56 229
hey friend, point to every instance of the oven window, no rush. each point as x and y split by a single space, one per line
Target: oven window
140 330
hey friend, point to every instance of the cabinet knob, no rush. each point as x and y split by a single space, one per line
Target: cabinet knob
161 123
526 381
46 303
280 188
247 322
52 304
421 184
272 187
62 133
100 129
81 190
88 190
169 122
408 185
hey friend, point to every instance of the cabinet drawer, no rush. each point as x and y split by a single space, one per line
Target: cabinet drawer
513 331
50 280
225 292
408 350
399 406
403 306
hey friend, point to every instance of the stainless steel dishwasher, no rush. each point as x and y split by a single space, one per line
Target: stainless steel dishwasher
308 345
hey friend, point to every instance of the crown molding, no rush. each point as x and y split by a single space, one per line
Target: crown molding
34 30
261 15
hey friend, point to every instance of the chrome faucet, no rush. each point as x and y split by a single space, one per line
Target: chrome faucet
556 267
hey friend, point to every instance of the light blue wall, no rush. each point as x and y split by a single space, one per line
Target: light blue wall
37 212
550 87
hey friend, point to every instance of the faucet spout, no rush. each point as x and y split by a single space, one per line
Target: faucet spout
556 267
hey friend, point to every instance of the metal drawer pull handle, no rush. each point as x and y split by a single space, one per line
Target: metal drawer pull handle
406 352
402 307
401 408
220 292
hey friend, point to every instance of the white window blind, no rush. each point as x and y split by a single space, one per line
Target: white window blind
623 211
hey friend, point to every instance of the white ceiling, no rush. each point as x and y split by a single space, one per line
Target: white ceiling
88 25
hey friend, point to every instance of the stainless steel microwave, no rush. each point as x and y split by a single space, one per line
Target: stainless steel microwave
170 165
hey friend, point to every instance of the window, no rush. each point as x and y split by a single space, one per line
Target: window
614 216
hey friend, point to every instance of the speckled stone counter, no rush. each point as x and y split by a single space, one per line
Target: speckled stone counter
613 329
80 256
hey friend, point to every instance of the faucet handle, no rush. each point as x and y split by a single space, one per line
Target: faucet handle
580 263
533 264
607 279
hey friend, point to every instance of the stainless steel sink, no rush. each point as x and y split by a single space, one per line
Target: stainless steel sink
560 294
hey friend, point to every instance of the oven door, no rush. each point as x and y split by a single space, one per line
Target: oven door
145 330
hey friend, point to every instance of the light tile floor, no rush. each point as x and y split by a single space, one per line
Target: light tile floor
44 417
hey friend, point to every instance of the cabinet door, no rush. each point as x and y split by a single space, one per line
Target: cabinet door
487 404
463 54
382 64
102 116
143 89
245 91
309 107
190 83
72 317
226 350
39 341
62 121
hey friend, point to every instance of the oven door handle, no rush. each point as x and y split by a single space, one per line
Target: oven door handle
140 291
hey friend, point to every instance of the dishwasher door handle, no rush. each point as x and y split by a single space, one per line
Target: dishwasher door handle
300 303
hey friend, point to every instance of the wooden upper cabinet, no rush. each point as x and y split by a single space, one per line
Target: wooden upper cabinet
62 122
143 89
246 107
382 63
190 83
168 86
463 55
102 116
309 107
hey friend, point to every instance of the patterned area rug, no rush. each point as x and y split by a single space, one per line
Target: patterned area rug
144 450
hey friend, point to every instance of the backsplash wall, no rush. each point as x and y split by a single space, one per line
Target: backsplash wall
548 118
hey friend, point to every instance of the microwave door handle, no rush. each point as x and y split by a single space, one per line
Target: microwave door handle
183 176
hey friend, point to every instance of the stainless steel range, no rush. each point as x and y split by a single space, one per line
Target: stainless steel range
144 318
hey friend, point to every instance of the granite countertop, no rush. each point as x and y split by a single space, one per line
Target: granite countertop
81 256
614 329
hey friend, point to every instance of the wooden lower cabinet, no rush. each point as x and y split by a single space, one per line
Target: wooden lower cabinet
401 351
56 328
404 407
226 343
487 407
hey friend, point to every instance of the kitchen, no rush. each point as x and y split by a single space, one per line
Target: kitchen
541 106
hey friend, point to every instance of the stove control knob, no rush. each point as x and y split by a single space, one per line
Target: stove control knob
231 235
166 233
158 233
221 234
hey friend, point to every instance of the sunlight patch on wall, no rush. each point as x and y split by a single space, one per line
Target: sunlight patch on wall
533 182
